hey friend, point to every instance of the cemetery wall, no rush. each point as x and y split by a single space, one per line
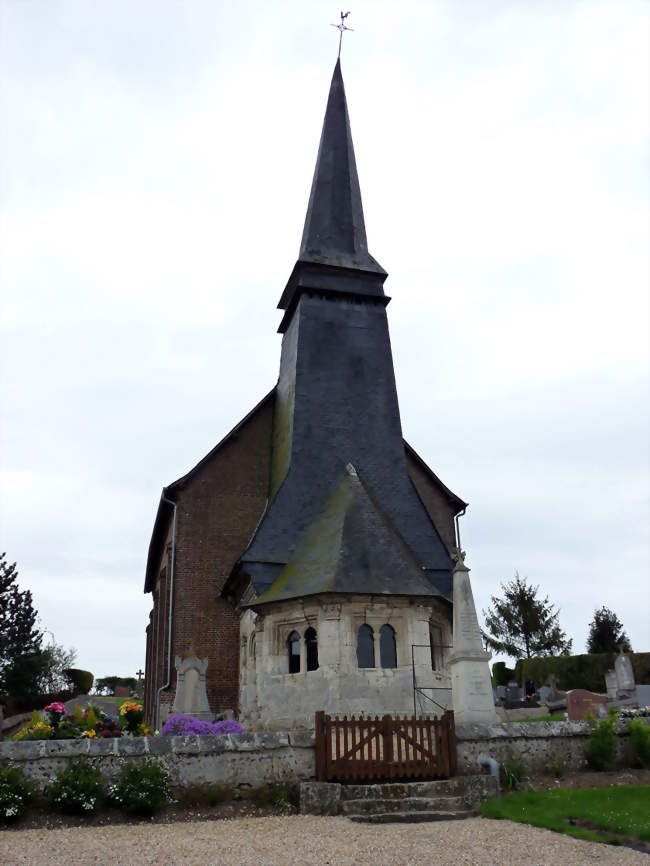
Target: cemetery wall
241 761
542 747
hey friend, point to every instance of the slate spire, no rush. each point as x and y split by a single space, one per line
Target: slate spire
335 231
334 250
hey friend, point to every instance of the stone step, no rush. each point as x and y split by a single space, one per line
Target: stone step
399 790
405 804
412 817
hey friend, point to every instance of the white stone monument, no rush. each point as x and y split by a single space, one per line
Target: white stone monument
191 698
471 684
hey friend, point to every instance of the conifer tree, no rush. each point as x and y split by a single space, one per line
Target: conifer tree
606 634
20 639
522 625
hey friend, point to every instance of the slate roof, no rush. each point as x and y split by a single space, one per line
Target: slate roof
353 548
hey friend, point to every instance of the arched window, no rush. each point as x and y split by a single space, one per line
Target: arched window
387 646
365 647
435 639
311 645
293 644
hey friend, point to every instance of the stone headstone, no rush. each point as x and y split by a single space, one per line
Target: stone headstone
611 684
471 683
580 703
643 695
625 681
191 697
544 693
502 693
513 692
122 691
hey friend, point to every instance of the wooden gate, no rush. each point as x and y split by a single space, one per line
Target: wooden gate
384 748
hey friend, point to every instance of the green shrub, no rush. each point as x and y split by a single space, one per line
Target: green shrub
77 788
141 789
15 793
512 773
601 745
640 738
501 675
81 682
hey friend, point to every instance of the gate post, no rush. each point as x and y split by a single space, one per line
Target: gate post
320 746
387 729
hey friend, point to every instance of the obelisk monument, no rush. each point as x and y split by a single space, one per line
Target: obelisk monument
471 683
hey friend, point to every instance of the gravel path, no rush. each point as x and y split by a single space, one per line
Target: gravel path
309 841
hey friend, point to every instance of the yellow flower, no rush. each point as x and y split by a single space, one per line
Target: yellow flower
128 706
90 733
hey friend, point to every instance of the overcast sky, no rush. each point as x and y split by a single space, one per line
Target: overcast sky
155 166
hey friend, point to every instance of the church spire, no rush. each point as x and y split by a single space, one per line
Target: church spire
335 232
334 235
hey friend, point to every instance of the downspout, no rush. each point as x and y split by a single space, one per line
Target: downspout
171 611
456 519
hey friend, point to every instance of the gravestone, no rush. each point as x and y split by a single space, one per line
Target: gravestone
611 684
544 693
513 692
556 699
122 691
502 693
625 682
191 698
471 683
580 703
643 695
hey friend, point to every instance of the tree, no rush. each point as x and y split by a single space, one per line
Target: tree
58 660
606 633
520 624
20 639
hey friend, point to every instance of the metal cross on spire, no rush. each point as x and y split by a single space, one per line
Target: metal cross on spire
341 28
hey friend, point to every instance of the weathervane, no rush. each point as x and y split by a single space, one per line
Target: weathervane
341 28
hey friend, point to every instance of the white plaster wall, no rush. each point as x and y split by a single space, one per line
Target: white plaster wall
273 699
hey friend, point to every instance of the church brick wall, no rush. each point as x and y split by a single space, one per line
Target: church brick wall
439 508
218 510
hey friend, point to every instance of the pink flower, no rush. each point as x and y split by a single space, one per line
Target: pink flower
56 707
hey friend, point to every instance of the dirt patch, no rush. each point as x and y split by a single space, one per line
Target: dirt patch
41 819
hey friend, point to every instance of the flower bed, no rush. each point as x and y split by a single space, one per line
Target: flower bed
632 713
89 723
187 726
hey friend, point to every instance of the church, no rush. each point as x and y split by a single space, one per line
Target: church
305 563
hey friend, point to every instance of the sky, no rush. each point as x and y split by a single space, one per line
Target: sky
155 166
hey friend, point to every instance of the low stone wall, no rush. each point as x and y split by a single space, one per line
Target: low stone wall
235 760
543 747
253 760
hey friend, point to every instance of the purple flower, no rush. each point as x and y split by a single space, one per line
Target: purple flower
188 726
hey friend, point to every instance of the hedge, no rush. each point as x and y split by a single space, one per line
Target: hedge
82 681
579 672
501 675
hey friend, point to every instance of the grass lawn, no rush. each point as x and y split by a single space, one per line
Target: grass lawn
619 809
548 717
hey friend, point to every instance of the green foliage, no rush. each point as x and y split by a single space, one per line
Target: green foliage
601 745
19 638
606 633
639 734
16 793
580 671
142 788
107 685
81 682
65 730
77 788
521 624
616 809
512 773
502 675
